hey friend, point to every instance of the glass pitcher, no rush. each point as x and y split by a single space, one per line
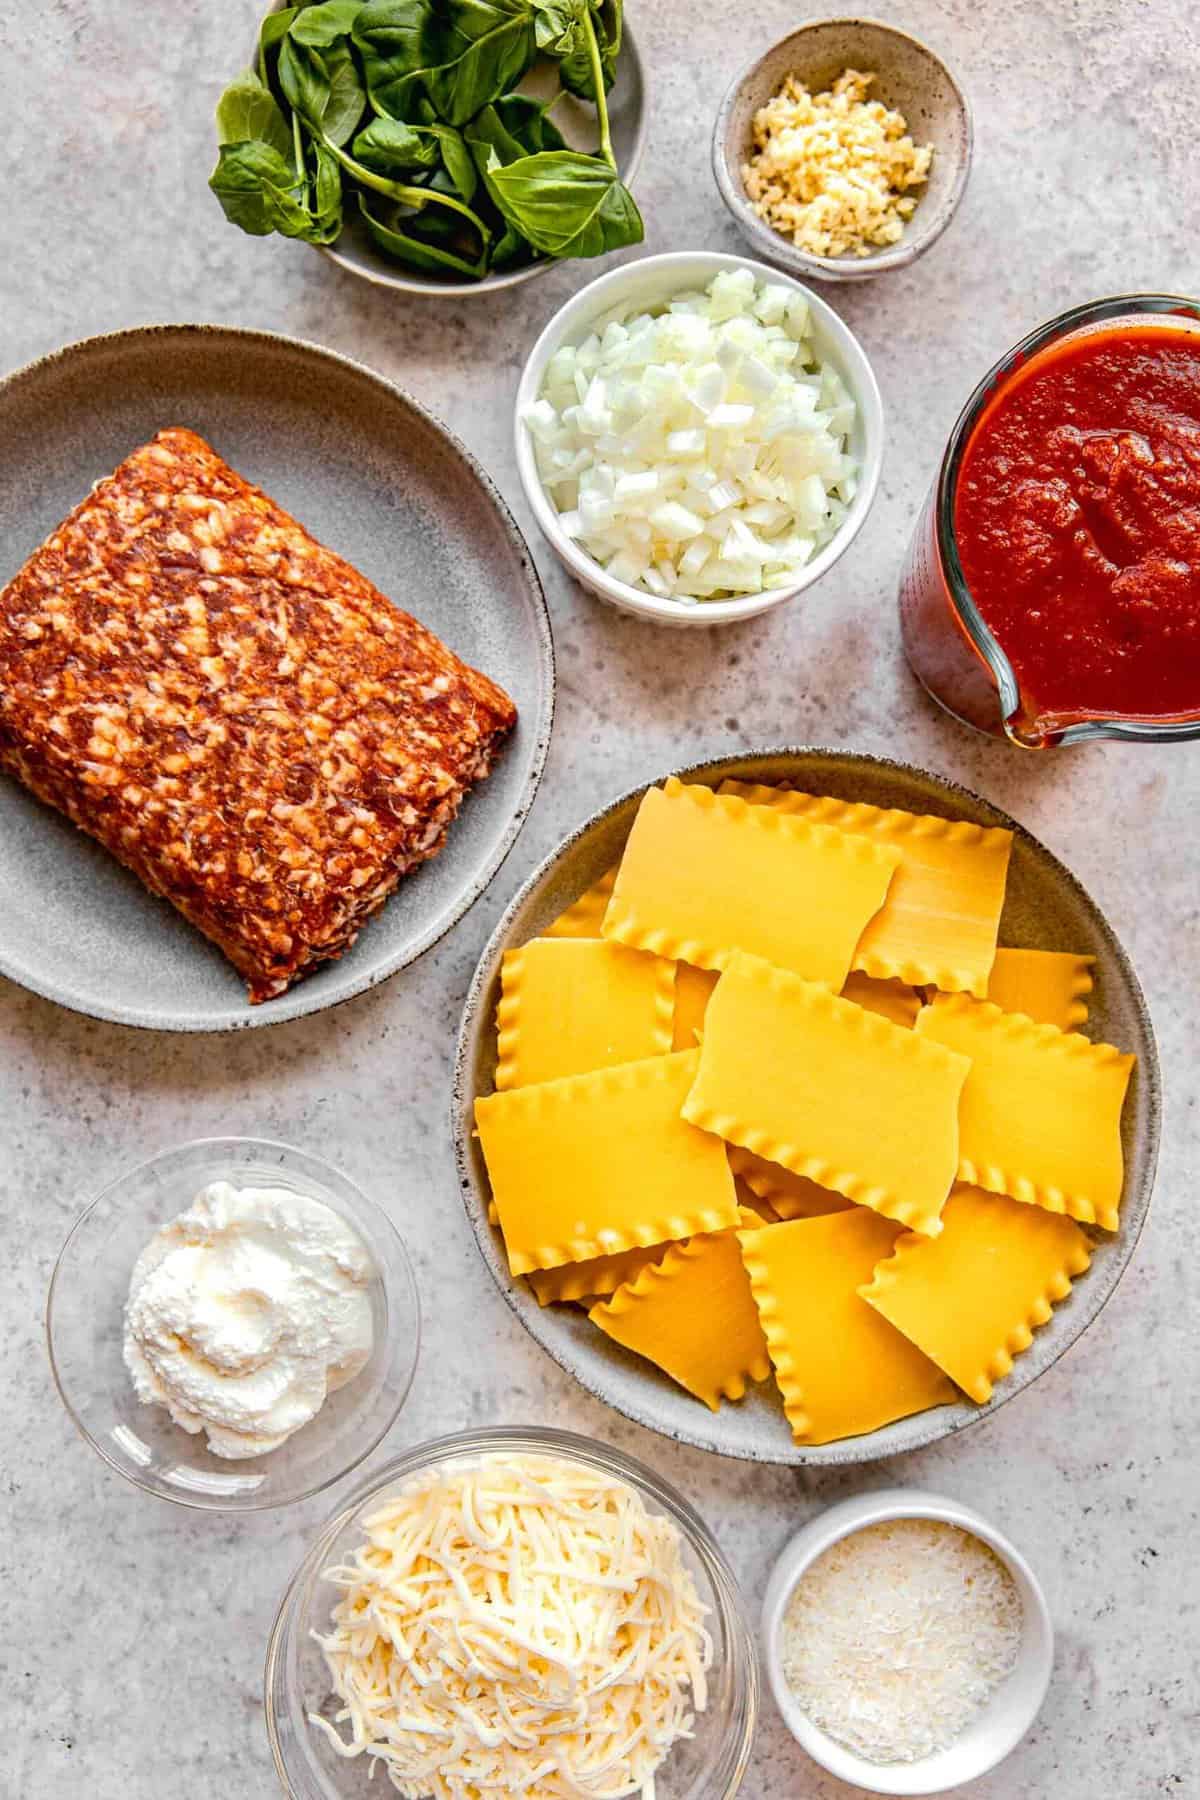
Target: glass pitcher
948 645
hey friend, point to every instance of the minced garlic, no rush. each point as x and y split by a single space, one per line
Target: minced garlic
832 170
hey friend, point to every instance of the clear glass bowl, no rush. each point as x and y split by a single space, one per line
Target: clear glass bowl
85 1328
709 1766
949 645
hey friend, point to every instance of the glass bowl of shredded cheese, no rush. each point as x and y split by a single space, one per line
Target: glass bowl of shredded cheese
907 1642
514 1612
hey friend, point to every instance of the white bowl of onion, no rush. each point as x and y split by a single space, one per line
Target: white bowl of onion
907 1642
699 437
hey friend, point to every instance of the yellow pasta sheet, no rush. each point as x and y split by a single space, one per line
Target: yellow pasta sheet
942 914
813 1082
568 1005
583 917
597 1275
788 1195
893 1000
972 1298
841 1368
604 1162
693 1315
1040 1118
693 990
751 1202
1050 986
704 875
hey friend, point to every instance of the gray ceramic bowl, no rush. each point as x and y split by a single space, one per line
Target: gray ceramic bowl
910 77
374 476
1045 908
356 251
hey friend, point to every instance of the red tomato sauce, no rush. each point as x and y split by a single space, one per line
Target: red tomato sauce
1077 516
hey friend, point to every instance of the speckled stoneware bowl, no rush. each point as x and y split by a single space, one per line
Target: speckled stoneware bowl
910 77
1045 908
372 475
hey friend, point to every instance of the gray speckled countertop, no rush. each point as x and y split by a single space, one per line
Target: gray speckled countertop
134 1631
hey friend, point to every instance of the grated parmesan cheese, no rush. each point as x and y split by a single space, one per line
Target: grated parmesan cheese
896 1637
517 1626
832 170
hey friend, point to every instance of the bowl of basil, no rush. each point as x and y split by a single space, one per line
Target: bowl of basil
450 146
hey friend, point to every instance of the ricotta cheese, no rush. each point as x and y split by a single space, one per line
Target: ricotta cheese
245 1312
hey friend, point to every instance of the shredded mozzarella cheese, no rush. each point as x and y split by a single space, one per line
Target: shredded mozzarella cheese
700 451
517 1626
895 1638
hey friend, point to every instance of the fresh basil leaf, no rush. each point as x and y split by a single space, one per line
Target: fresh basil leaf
457 159
347 96
327 196
247 111
272 31
460 54
396 40
575 64
488 134
412 192
257 189
511 248
437 224
276 26
612 21
434 225
304 80
514 126
431 258
391 147
324 88
565 203
558 26
319 26
527 121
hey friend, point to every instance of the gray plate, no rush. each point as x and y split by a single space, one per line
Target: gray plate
373 476
1045 909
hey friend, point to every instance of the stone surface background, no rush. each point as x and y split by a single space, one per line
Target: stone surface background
134 1631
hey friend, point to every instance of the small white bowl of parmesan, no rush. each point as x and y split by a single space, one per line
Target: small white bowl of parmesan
907 1642
699 437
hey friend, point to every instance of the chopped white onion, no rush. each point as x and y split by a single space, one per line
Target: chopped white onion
702 451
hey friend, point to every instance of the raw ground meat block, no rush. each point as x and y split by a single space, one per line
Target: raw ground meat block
234 711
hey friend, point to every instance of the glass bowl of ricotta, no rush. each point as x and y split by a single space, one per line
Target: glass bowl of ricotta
233 1325
555 1619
